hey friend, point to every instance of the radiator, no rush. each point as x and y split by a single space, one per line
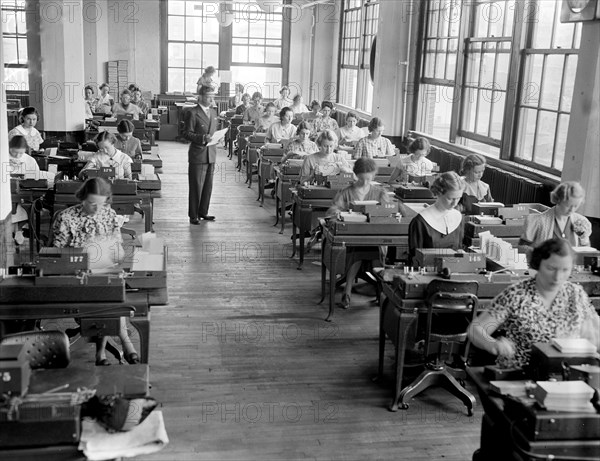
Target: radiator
506 187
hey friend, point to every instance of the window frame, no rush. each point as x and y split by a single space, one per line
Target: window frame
524 20
362 62
225 49
15 8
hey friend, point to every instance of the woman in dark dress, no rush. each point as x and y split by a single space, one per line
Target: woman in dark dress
441 224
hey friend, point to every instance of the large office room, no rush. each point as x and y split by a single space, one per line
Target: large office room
300 230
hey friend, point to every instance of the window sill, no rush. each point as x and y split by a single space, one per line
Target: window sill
506 165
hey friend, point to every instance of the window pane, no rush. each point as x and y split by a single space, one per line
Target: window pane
210 28
451 59
176 28
257 29
193 56
436 110
564 35
274 30
484 112
239 54
542 34
10 50
561 141
193 29
273 55
532 80
256 54
497 114
176 80
469 99
240 28
197 8
489 151
348 86
191 79
16 79
176 7
210 56
544 141
526 133
176 55
267 80
502 67
440 62
9 22
553 73
569 83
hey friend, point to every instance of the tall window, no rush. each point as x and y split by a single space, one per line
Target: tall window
14 41
485 58
257 44
359 28
193 42
251 47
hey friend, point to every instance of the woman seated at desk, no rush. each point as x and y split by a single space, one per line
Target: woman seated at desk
126 142
560 221
374 145
298 106
91 102
283 129
311 117
241 109
255 111
538 309
325 162
29 117
363 189
325 122
109 156
350 134
105 100
415 163
302 145
126 107
441 224
284 100
94 224
267 119
472 168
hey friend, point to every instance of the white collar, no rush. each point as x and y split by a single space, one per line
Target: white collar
444 223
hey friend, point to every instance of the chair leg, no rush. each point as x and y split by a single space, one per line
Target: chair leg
427 378
453 386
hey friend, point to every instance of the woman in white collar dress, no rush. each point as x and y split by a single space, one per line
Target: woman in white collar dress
441 224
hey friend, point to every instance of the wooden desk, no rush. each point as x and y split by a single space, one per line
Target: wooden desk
333 251
305 217
136 306
500 431
405 295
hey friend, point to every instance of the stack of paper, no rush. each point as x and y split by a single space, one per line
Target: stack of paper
573 345
564 395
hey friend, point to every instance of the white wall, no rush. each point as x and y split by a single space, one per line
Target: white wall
95 41
134 35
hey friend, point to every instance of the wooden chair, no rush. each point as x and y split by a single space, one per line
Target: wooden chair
44 349
244 131
451 306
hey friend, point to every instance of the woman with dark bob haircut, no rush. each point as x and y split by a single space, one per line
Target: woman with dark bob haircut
538 309
374 145
363 188
439 225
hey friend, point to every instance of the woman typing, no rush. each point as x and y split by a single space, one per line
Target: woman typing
473 167
350 134
362 189
439 225
326 122
109 156
560 221
126 107
126 142
283 129
374 145
93 224
416 162
302 145
538 309
325 162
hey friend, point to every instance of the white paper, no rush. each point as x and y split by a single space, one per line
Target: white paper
217 136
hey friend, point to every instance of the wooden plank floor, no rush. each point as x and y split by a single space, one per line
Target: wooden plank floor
244 365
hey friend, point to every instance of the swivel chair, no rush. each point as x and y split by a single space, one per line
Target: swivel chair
44 349
451 306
